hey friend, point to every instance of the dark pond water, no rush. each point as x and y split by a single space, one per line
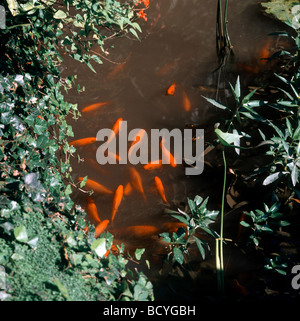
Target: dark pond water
177 45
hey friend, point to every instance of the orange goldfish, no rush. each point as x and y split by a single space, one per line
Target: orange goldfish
101 227
160 189
94 107
128 189
166 68
113 156
139 136
240 227
115 129
82 142
96 187
167 154
171 90
153 165
136 181
119 68
264 53
172 226
92 210
96 165
138 231
185 101
239 289
117 201
113 250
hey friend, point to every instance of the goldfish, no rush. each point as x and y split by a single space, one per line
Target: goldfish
185 101
92 210
136 181
171 90
252 68
101 227
139 136
113 156
167 154
238 288
96 187
117 201
166 68
96 165
240 227
296 200
128 189
153 165
94 107
82 142
160 188
116 127
172 226
119 68
113 250
264 53
137 231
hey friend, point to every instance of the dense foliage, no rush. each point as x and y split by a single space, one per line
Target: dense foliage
45 249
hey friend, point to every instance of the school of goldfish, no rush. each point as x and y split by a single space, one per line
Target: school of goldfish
135 184
119 195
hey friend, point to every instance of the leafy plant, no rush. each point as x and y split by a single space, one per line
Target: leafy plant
266 221
198 218
47 248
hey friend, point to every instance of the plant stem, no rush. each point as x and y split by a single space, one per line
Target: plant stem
219 242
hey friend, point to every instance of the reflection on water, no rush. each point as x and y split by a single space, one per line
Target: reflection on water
177 47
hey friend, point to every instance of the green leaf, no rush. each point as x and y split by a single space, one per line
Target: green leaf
200 247
226 139
20 233
13 6
134 33
216 103
138 253
83 182
63 290
243 223
237 88
181 219
272 178
99 246
33 242
60 15
178 256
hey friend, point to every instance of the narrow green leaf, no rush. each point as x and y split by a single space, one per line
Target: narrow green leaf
200 247
216 103
272 178
181 219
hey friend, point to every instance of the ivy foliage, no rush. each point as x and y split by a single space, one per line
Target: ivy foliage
45 248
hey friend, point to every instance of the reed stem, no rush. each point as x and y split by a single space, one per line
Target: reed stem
220 241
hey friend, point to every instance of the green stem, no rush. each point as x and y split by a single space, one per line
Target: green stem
228 43
219 244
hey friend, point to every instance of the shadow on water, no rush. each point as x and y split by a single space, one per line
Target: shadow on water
177 45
